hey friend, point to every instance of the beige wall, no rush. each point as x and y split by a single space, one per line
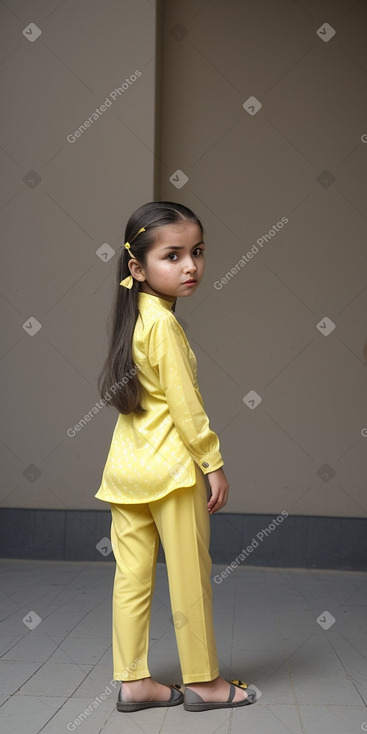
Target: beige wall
245 173
301 449
53 230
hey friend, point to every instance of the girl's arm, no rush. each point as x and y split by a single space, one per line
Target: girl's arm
168 354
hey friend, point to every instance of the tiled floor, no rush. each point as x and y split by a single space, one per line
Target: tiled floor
55 641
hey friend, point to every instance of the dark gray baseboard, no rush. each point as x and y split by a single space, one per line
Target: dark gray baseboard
296 542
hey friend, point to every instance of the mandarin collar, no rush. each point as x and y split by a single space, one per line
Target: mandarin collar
142 296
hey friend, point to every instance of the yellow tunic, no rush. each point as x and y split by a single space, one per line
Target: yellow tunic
153 453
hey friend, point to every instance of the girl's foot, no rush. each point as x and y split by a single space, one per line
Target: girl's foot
216 690
144 689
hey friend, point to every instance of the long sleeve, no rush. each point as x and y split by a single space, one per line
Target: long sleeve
169 354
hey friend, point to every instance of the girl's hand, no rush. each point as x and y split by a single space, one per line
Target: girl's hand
219 489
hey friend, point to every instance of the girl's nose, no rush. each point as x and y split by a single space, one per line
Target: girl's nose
191 265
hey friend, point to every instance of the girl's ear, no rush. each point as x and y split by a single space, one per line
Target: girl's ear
136 270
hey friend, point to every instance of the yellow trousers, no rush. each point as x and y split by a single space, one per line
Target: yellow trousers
181 521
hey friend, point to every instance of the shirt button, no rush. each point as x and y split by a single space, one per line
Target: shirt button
205 463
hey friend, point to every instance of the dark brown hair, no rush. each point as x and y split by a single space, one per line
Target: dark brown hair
118 381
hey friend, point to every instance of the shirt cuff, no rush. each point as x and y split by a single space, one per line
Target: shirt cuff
209 463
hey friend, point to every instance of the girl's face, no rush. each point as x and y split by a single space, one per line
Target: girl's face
176 257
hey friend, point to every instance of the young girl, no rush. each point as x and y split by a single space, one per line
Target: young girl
154 478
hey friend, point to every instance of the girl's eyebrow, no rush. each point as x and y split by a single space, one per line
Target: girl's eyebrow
178 247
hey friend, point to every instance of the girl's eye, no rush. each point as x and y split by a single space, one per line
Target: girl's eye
198 250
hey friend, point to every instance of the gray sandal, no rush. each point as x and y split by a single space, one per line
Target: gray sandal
127 707
194 702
